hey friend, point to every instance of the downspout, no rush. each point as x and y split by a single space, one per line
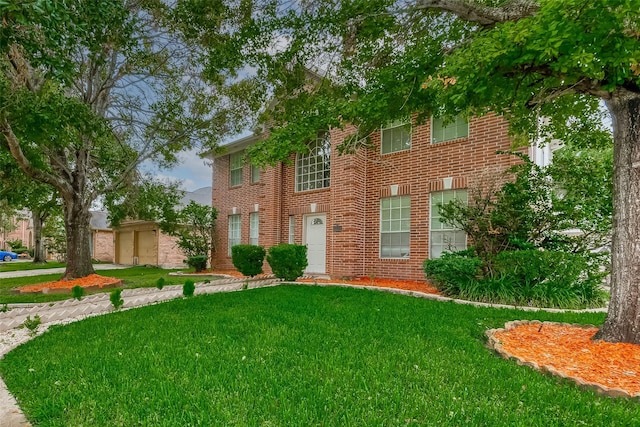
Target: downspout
364 218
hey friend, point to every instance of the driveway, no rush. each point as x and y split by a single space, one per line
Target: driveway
42 271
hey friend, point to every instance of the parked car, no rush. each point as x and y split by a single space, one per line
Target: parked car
8 256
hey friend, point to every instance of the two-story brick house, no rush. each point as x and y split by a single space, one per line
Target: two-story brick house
372 213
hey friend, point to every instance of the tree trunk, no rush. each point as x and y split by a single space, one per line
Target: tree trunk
623 318
78 229
38 248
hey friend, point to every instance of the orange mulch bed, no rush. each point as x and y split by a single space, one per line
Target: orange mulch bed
570 350
90 281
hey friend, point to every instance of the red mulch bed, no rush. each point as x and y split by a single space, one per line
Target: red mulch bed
91 282
569 350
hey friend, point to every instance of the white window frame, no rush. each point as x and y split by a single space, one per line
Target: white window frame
235 231
254 228
440 232
255 174
236 163
292 225
313 169
395 225
456 125
392 129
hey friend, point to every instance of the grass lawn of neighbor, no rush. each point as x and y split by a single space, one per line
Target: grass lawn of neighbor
133 277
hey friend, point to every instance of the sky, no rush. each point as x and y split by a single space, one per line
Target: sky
193 171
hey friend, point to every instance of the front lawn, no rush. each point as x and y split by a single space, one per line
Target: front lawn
21 265
133 277
296 356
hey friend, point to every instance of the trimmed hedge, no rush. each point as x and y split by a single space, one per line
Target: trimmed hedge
199 262
248 259
287 261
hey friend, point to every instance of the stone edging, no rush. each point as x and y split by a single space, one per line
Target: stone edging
495 344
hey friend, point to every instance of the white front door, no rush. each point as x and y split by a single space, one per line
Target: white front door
315 238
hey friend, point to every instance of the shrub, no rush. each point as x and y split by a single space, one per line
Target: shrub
553 278
32 324
287 261
77 292
160 283
115 298
188 288
452 271
199 262
248 259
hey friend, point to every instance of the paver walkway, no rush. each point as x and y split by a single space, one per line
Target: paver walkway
71 310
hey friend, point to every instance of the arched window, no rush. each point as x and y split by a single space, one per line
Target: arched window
313 169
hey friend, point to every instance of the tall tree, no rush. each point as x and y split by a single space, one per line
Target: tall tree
89 90
524 59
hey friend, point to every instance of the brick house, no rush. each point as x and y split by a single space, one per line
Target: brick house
138 242
372 213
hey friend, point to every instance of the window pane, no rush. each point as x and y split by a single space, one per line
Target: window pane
313 168
234 231
443 236
235 169
458 128
395 226
396 136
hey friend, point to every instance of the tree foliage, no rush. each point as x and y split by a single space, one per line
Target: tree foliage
566 207
194 227
90 90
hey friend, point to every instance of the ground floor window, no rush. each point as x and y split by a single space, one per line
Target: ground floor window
254 224
395 226
443 236
292 224
234 231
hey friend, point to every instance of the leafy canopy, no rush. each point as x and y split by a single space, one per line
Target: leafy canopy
379 60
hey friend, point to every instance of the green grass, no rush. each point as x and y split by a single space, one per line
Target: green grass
296 356
21 266
133 277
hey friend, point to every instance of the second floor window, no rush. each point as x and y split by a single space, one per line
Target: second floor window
235 169
255 174
313 169
396 136
446 130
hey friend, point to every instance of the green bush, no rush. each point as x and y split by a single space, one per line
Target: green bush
248 259
199 262
525 278
160 282
115 298
287 261
452 271
188 288
553 278
77 292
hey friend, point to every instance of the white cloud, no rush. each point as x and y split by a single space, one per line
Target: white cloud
192 171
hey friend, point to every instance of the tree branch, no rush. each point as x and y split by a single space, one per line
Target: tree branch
25 164
471 11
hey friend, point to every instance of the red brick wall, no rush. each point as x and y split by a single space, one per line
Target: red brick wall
352 203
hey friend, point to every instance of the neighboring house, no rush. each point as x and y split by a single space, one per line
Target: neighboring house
142 242
373 213
21 228
101 243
